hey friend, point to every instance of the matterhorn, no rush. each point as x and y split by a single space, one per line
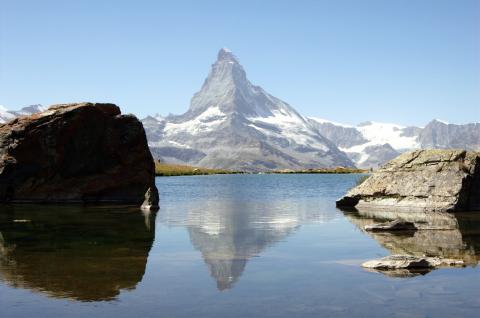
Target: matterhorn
233 124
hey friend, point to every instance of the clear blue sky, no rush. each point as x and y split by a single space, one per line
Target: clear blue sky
348 61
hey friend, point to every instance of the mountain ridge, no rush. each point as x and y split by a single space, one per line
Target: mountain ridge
233 124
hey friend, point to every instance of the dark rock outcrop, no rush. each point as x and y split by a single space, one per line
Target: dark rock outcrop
427 180
83 153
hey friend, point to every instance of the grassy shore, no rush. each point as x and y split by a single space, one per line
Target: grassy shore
337 170
169 170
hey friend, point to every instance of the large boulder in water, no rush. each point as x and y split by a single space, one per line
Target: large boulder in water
427 180
84 153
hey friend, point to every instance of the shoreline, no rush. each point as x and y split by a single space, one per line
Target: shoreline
175 170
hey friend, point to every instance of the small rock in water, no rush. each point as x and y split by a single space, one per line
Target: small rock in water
396 225
394 262
398 262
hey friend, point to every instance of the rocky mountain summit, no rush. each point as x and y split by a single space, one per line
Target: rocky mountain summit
83 153
426 180
234 124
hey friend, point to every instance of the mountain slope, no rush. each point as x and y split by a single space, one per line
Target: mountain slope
7 115
371 144
232 124
438 134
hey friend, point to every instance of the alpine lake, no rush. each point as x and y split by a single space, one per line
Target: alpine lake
270 245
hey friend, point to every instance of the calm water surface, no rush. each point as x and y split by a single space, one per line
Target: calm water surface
231 246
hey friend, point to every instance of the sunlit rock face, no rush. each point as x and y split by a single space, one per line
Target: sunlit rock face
89 254
423 180
229 234
442 235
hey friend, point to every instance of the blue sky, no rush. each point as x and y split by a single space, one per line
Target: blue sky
348 61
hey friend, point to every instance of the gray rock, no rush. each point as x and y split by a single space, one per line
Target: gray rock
393 262
396 225
425 180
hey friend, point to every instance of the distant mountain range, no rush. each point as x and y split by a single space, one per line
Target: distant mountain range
371 144
233 124
7 115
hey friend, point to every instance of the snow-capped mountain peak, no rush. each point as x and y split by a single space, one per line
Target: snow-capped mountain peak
234 124
226 55
7 115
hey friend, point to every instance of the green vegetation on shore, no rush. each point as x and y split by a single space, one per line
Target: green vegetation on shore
169 170
338 170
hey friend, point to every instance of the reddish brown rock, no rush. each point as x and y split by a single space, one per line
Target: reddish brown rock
83 153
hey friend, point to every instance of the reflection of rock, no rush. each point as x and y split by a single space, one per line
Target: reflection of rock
228 234
81 152
391 226
439 235
89 254
424 180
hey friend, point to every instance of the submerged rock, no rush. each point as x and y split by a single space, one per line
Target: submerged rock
396 225
84 153
394 262
426 180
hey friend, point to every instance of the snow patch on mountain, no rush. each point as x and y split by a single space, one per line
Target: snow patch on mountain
206 121
370 143
441 121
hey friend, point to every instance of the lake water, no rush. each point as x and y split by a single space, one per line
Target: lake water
231 246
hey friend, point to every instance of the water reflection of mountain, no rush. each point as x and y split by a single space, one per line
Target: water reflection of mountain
229 233
443 235
87 254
